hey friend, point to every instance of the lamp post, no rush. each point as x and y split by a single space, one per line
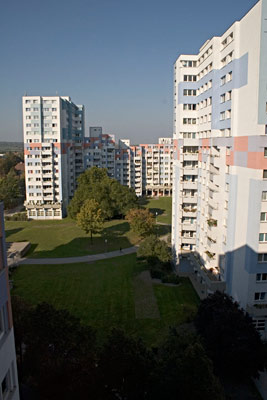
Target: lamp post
106 242
156 217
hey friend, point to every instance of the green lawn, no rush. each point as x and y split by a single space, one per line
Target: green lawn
161 205
62 238
102 294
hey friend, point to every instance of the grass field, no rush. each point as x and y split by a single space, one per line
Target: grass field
102 294
161 205
63 238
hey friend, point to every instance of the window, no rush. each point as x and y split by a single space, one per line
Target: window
264 196
223 80
190 78
229 76
259 296
191 107
223 98
265 174
190 92
261 277
262 257
265 151
263 217
263 237
222 116
54 109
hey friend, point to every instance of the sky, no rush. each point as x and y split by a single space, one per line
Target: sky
113 56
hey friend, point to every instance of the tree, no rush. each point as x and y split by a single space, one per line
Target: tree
125 366
142 221
90 218
113 198
230 338
155 251
10 190
59 354
184 370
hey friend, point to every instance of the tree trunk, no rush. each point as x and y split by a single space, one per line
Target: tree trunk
91 237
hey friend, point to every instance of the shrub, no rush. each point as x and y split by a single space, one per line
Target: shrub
171 278
22 216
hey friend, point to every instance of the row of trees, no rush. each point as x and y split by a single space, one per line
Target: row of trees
99 198
12 184
60 358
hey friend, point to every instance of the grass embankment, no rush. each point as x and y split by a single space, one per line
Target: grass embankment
103 294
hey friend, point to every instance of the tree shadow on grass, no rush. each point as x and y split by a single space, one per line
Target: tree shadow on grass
112 238
157 211
10 232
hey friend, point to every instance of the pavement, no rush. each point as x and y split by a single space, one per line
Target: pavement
81 259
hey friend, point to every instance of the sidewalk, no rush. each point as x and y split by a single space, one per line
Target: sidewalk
81 259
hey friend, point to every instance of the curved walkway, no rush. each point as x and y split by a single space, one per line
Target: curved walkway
81 259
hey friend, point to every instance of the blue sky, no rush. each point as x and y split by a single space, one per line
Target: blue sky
113 56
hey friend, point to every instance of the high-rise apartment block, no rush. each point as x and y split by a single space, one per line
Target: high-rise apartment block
53 145
220 167
8 366
147 168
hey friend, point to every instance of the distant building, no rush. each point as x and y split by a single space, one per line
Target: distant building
220 166
147 168
53 129
8 367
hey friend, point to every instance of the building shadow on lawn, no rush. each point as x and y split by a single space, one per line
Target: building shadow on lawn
112 238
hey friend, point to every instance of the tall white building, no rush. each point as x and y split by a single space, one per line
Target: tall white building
9 388
53 129
220 167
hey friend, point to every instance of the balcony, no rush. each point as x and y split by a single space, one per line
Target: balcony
189 227
189 185
188 240
257 310
189 157
189 199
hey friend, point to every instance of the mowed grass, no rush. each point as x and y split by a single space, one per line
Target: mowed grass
63 238
101 294
161 205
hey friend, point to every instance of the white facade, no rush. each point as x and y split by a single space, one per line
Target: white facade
53 146
220 168
9 388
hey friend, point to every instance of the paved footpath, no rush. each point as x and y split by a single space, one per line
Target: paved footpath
82 259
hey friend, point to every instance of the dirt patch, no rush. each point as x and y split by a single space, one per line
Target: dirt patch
146 306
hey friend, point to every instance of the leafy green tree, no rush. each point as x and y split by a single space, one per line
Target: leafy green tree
230 338
185 371
113 198
154 251
90 218
125 366
10 191
59 355
8 162
142 221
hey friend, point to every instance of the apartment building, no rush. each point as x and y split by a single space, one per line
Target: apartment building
53 129
8 366
220 166
147 168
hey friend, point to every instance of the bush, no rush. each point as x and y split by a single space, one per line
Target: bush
156 274
171 278
22 216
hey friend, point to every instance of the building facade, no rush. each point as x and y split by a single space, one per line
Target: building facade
220 166
147 168
8 366
53 147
